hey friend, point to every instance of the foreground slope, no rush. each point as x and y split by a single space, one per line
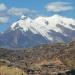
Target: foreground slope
53 59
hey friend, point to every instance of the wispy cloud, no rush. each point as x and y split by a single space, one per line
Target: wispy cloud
2 7
4 19
6 12
59 6
20 11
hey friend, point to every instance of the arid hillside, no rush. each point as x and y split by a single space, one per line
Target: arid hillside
56 59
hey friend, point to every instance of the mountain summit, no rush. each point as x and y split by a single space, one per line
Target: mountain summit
28 32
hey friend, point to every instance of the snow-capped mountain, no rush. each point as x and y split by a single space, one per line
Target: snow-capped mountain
28 32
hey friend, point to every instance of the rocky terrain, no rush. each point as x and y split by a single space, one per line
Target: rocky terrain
56 59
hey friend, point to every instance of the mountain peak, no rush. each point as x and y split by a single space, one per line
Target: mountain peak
40 22
50 29
23 17
56 16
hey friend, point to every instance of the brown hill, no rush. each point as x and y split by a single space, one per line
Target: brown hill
43 60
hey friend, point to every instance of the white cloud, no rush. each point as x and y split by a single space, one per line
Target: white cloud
4 19
3 7
19 11
59 6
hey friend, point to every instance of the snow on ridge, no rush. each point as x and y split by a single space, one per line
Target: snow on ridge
43 25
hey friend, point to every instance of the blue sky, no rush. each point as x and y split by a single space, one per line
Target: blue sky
11 10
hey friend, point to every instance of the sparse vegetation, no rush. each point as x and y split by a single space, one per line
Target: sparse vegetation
43 60
5 70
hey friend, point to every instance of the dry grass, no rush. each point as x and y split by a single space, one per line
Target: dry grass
5 70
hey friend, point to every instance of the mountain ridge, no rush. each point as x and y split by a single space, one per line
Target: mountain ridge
28 32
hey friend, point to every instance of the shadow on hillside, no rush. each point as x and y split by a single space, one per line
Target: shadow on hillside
72 72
